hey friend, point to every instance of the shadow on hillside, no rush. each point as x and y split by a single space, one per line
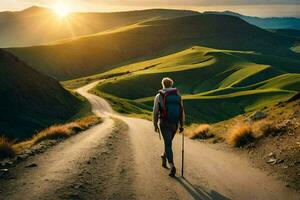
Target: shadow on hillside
199 193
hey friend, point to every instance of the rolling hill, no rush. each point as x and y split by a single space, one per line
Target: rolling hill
97 53
216 84
37 25
30 100
266 23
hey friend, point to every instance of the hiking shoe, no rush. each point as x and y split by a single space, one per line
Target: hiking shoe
172 172
163 161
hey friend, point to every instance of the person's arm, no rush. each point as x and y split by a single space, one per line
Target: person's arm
156 112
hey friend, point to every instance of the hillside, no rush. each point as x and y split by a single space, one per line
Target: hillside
88 55
40 25
275 149
29 100
266 23
288 32
215 84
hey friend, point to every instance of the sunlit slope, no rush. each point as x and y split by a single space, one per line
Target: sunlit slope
100 52
30 100
216 84
37 25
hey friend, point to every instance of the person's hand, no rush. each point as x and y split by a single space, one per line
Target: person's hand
181 129
156 128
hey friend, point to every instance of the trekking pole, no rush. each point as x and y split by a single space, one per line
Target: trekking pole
182 155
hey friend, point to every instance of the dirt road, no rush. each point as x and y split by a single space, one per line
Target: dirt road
120 159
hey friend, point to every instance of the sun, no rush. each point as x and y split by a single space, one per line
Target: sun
61 9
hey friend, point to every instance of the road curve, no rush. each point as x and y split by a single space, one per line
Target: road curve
124 163
209 173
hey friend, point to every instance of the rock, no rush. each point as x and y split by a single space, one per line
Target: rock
88 162
272 161
80 186
287 185
7 164
31 165
272 154
4 173
257 116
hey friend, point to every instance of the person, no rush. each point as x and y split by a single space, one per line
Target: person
169 112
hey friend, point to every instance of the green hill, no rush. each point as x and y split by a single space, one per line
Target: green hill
29 100
88 55
215 84
37 25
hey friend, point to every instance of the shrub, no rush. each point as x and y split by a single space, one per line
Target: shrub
87 122
240 135
267 128
66 130
199 131
52 133
6 149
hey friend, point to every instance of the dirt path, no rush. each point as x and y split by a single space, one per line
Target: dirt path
112 163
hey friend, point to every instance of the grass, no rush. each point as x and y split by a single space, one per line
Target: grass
240 135
126 107
296 48
56 132
6 149
216 84
199 131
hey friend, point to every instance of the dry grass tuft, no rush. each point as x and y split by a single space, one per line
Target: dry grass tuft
199 131
6 149
64 131
53 133
60 131
240 135
266 128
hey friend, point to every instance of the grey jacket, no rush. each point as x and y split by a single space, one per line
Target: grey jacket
156 112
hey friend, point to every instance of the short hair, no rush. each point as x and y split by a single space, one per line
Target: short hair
167 82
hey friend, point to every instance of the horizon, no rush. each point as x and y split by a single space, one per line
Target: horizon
265 11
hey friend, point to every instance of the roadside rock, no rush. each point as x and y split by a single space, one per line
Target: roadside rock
7 164
31 165
257 116
4 173
272 161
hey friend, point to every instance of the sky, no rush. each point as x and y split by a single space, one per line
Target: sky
261 8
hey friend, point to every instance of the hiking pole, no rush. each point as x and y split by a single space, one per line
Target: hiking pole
182 154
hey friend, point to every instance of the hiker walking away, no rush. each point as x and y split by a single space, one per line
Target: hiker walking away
168 110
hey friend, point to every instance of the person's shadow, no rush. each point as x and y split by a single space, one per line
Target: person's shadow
198 193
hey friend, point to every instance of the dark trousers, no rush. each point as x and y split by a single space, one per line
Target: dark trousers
168 131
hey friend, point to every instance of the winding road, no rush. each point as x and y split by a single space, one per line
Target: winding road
122 161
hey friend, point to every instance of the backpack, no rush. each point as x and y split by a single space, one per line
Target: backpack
170 106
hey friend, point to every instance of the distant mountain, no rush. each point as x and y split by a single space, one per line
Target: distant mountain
30 100
267 23
37 25
97 53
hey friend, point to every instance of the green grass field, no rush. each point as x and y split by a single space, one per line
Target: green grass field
296 48
215 84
